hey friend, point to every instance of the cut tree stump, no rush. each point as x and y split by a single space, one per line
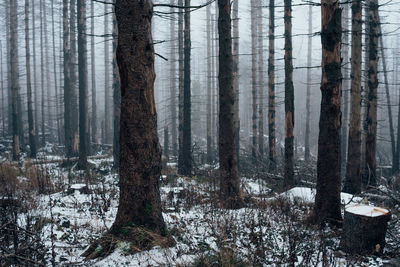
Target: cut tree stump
364 229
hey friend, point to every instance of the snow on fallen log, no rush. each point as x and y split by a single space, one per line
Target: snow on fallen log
364 229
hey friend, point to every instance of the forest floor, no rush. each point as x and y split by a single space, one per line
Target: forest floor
270 230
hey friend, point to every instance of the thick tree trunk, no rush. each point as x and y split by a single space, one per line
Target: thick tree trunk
93 76
180 86
107 106
209 85
260 37
140 164
353 173
56 98
289 97
271 87
73 79
68 133
235 57
371 116
14 77
308 97
254 80
83 86
116 96
32 138
187 135
229 175
173 84
345 89
327 199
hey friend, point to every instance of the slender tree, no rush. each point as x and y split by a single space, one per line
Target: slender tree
260 81
49 87
107 106
73 77
83 86
180 86
35 87
229 175
209 85
42 72
327 199
187 136
353 173
116 96
371 116
173 86
14 77
271 86
254 79
55 75
289 97
3 108
93 76
32 139
308 97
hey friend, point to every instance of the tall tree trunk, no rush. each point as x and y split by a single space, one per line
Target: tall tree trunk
56 98
8 48
140 165
93 76
180 86
235 51
254 80
42 72
73 78
209 85
35 86
371 116
260 81
345 88
271 86
387 91
289 97
83 86
327 199
308 97
68 133
49 87
3 109
352 183
116 96
107 106
14 77
187 128
32 141
229 175
173 82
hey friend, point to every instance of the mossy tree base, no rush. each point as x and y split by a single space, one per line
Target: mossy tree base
138 239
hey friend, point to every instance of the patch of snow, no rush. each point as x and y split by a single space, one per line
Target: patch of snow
366 210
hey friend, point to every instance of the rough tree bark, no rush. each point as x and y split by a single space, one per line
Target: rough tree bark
32 138
327 199
271 87
235 55
56 98
187 135
229 176
371 116
83 86
68 134
73 79
14 77
35 87
49 92
352 182
3 109
289 97
308 97
180 86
